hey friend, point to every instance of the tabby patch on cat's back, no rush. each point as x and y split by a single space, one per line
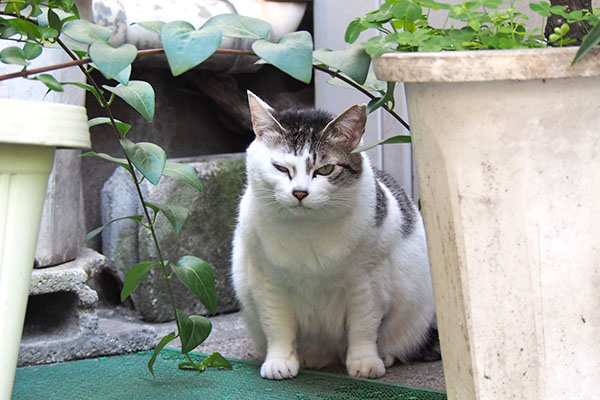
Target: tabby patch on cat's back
329 255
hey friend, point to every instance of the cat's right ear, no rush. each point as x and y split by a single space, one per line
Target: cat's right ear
265 125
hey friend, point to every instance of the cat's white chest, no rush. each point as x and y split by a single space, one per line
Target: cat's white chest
307 249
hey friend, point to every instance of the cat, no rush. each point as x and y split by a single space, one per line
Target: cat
329 255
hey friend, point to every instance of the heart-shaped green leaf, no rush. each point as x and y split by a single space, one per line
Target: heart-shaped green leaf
151 26
239 26
186 47
111 61
138 94
292 55
352 61
135 276
84 31
148 158
194 330
197 275
183 172
123 76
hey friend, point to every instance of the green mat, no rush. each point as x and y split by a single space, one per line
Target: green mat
126 377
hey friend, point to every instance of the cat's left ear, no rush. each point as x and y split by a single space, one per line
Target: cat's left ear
347 129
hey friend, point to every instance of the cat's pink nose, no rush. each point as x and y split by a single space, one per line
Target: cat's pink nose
300 194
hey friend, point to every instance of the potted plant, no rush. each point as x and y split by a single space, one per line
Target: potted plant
507 156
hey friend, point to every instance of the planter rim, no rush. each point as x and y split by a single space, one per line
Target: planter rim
486 65
43 124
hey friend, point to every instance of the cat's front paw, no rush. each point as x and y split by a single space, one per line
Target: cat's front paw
280 368
365 367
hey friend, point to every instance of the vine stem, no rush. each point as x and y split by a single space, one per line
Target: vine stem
25 73
106 106
336 74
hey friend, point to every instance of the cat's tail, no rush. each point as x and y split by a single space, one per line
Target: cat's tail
430 349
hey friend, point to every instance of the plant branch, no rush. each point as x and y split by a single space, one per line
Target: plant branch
106 106
355 85
24 73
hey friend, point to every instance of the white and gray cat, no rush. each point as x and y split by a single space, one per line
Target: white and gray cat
329 258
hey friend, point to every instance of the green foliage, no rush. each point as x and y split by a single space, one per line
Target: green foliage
470 25
197 275
97 231
592 39
86 32
109 60
135 276
138 94
121 126
13 55
215 360
187 47
148 158
390 140
292 54
161 345
183 172
352 61
237 26
193 330
32 25
50 82
176 215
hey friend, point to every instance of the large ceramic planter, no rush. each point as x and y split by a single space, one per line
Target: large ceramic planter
507 146
29 133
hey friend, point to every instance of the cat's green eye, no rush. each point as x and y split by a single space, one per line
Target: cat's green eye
325 170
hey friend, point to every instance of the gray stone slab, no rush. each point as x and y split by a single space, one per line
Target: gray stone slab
100 332
70 277
207 233
65 320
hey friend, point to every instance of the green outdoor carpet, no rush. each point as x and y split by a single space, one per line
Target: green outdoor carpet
126 377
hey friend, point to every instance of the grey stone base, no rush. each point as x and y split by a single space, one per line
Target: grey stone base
64 320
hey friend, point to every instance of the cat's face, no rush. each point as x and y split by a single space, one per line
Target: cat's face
301 164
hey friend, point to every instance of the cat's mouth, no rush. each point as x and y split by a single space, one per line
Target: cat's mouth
299 209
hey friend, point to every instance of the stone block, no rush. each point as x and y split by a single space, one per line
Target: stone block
65 320
207 233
